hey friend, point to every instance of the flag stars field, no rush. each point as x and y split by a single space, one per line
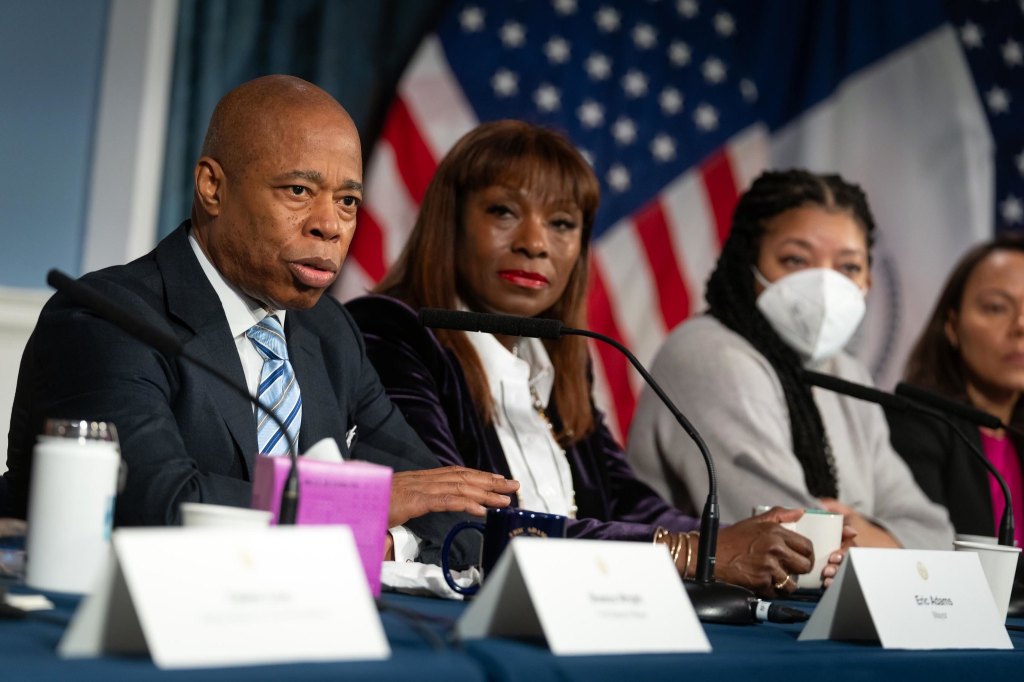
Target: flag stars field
671 101
1013 55
505 83
687 9
472 19
591 114
598 66
725 26
998 100
706 117
565 7
971 35
713 69
513 34
608 19
663 148
624 131
618 177
1012 210
547 98
679 53
634 83
644 36
557 50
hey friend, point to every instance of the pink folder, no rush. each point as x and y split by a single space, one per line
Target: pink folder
356 494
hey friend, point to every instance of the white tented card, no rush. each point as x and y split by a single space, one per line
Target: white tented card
910 599
211 597
586 597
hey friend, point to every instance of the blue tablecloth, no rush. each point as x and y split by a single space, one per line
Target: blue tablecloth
28 652
763 652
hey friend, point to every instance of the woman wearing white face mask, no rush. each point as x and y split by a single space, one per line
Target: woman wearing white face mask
787 292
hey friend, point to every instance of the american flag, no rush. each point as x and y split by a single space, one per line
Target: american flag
675 103
992 36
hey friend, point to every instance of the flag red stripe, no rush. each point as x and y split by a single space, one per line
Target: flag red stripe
367 246
653 230
415 161
720 185
601 319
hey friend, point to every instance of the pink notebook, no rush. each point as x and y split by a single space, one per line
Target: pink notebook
356 494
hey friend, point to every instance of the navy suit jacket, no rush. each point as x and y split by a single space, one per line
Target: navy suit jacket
428 385
184 435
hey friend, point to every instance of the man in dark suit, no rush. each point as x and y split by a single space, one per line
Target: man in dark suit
277 190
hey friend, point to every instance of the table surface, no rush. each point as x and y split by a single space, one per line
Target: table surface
419 631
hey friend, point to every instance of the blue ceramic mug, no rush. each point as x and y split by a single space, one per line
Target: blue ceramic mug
502 525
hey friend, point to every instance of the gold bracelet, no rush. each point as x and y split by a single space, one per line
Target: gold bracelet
677 545
689 549
686 566
659 534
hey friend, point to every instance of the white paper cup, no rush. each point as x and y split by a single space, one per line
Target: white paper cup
197 514
1000 564
825 531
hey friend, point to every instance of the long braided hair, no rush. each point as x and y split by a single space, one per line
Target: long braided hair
731 299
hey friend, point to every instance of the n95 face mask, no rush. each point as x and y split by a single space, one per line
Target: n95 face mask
815 311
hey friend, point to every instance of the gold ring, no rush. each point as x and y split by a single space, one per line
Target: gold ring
782 583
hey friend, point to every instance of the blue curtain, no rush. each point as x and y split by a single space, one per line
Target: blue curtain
354 49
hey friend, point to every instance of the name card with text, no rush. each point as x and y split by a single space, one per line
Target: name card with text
211 597
909 599
586 597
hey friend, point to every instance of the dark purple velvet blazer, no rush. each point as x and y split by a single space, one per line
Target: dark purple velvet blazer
427 384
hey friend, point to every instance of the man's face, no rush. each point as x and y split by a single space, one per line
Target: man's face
281 221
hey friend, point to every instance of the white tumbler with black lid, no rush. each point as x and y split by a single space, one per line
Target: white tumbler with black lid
75 467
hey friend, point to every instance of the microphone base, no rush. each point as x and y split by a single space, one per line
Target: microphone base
717 602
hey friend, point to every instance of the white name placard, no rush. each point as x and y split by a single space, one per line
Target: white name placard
910 599
211 597
586 597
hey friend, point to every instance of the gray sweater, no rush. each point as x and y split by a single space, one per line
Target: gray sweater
734 398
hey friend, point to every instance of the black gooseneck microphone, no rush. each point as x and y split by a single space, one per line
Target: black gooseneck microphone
949 406
911 400
714 602
167 344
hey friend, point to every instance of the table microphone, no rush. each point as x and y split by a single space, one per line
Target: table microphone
949 406
909 400
129 321
955 407
714 602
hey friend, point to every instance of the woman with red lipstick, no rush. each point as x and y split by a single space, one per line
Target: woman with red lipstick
504 227
972 349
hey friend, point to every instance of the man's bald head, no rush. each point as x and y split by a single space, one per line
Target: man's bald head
277 189
249 116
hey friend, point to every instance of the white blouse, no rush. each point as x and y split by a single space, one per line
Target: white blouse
520 382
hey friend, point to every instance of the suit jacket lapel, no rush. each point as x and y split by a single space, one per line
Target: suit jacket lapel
192 300
322 415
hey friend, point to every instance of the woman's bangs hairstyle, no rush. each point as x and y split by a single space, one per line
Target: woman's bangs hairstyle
545 164
732 300
934 363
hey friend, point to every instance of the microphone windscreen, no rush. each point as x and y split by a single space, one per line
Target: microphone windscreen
508 325
859 391
949 406
87 297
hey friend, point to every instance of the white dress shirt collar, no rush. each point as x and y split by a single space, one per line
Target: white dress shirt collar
517 380
241 311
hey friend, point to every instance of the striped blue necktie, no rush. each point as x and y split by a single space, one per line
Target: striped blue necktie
278 388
